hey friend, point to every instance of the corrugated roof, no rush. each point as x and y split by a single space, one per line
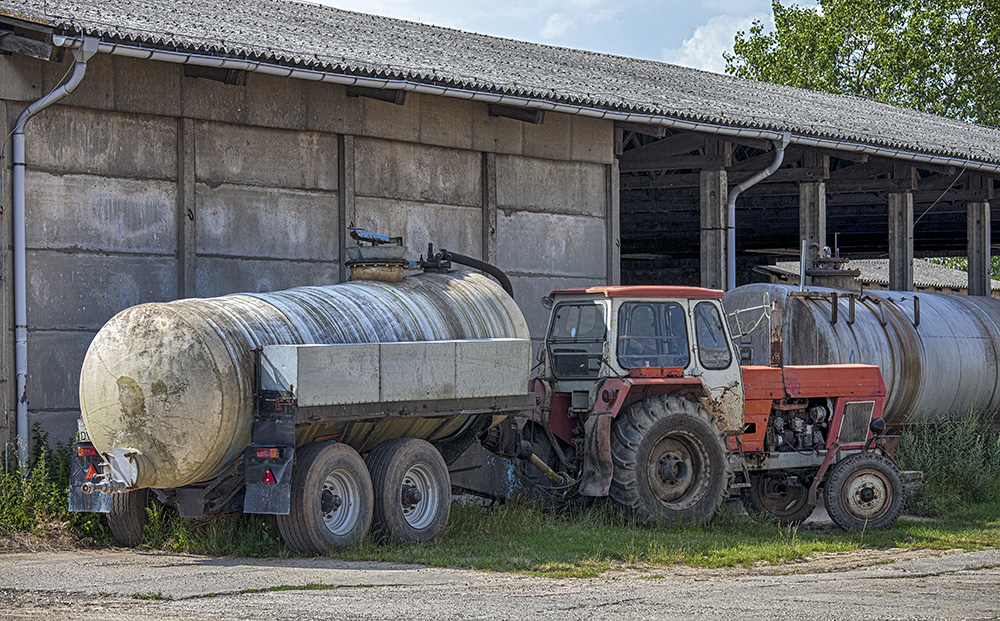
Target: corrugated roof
876 271
359 44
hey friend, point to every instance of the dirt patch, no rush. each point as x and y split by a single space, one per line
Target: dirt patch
50 537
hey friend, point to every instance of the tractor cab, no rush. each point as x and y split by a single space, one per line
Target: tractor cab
661 338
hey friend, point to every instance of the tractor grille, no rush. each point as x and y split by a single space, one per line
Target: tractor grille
854 428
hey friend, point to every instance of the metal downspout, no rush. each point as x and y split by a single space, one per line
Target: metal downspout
82 54
779 156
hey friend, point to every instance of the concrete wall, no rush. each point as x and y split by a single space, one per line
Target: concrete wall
146 185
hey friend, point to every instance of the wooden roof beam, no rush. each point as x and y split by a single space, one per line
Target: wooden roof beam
681 143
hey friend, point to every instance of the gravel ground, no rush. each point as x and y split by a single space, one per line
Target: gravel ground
136 585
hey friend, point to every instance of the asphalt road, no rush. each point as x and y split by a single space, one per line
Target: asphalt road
137 585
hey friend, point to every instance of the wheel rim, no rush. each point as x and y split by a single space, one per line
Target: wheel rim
779 498
339 501
418 497
676 470
867 495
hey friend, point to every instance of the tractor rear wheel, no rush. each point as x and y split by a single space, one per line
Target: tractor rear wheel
864 491
772 495
670 462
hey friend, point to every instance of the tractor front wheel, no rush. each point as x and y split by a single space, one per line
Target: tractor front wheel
864 491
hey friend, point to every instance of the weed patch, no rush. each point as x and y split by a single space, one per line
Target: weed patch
36 499
960 459
158 595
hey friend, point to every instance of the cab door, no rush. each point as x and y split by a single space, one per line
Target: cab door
716 362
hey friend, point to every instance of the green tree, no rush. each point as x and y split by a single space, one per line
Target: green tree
936 56
962 263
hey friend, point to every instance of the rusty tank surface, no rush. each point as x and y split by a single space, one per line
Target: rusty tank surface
938 353
175 381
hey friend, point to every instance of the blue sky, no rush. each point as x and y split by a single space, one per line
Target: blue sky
692 33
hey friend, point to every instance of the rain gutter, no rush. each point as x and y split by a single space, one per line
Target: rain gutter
314 75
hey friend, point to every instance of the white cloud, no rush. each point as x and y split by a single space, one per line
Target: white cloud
567 16
556 25
703 50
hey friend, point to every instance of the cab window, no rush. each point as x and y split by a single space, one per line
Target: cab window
652 335
713 347
576 340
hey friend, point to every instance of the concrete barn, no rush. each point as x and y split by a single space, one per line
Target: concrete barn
199 148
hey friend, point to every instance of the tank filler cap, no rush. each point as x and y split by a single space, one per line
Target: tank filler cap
376 257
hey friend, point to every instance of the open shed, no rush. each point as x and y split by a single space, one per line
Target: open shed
199 148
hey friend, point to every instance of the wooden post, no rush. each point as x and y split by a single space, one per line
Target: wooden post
979 248
901 241
714 194
812 220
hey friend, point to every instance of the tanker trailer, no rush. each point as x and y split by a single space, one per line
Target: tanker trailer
938 353
336 408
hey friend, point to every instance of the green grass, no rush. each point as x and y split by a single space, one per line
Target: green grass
231 534
309 586
521 537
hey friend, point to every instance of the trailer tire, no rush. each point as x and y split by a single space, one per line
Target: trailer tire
128 516
864 491
331 499
400 468
670 462
782 504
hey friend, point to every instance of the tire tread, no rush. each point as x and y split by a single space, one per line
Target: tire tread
301 529
383 464
128 516
627 433
838 475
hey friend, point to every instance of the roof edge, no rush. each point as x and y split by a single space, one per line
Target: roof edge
533 102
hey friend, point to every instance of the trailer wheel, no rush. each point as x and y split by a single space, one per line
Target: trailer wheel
864 491
331 499
128 516
412 490
783 503
670 464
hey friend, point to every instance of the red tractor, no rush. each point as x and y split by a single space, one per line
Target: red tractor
641 397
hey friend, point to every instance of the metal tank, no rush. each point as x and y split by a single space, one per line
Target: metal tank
938 353
175 380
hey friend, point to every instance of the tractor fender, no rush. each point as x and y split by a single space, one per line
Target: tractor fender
613 396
